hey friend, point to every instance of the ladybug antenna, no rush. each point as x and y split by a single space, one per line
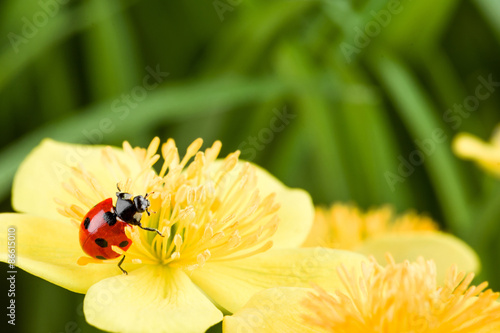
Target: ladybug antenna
148 194
118 187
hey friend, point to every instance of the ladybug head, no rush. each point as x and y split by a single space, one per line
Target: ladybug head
141 204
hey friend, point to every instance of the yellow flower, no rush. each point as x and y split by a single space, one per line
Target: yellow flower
219 217
379 231
487 155
403 297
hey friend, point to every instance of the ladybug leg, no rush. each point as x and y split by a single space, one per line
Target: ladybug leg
150 229
148 211
120 266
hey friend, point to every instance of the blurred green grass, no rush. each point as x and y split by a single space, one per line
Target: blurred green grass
356 115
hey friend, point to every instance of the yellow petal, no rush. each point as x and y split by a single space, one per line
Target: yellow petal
50 249
272 310
296 213
150 299
485 154
443 248
232 283
39 178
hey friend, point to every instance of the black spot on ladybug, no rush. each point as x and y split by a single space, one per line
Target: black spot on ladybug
100 257
123 244
110 218
101 242
86 223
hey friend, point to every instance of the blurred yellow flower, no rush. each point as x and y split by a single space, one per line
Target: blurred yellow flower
486 154
379 231
345 226
220 219
403 297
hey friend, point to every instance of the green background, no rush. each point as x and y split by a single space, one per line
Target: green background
365 84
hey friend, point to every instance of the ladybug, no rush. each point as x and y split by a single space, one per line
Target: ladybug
104 225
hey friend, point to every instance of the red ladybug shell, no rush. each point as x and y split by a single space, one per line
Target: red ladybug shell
100 229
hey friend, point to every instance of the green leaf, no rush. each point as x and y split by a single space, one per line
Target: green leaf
115 120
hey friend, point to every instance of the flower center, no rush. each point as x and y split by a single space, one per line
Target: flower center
207 210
